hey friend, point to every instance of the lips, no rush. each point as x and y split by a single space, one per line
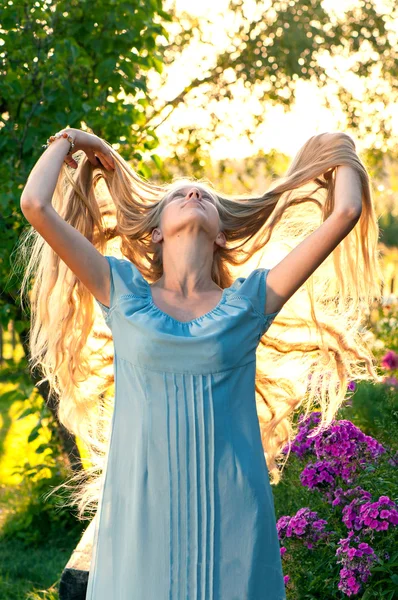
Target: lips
196 201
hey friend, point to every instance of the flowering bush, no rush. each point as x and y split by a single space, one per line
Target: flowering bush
355 542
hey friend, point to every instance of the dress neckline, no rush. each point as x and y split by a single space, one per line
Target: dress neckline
152 303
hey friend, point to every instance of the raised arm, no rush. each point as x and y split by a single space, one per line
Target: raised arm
291 272
79 254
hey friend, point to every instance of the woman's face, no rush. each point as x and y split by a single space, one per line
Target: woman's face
192 208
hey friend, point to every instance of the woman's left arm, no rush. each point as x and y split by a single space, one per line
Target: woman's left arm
291 272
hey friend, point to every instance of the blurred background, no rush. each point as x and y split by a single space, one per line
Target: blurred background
223 89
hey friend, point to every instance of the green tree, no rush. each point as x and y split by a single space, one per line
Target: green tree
290 41
68 64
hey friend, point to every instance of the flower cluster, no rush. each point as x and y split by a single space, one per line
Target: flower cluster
347 443
302 445
341 451
356 557
390 360
320 476
305 524
370 515
341 497
390 363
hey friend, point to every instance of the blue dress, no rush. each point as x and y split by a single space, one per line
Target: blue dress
186 510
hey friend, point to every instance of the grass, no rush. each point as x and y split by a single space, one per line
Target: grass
31 573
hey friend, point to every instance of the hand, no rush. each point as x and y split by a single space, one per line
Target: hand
98 153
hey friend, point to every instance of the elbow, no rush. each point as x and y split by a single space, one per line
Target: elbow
26 205
349 214
29 204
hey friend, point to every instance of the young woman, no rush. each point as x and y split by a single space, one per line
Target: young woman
185 506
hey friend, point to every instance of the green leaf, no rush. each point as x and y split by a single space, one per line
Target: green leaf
106 67
40 449
157 64
28 411
34 434
145 171
157 160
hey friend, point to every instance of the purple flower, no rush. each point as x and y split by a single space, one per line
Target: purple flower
304 525
390 360
340 451
345 441
302 445
319 475
341 496
356 558
342 444
361 514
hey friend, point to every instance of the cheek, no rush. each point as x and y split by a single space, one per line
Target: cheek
214 217
170 214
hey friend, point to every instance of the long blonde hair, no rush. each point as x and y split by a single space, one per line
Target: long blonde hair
318 342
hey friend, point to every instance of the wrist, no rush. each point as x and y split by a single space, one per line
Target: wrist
70 131
64 134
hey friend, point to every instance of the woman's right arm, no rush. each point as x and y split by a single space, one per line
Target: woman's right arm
78 253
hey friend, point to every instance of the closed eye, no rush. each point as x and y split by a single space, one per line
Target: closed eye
178 194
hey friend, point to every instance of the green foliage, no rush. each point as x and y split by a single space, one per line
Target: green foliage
374 409
67 64
388 224
274 46
37 519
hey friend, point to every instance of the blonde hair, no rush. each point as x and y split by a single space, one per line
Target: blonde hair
318 343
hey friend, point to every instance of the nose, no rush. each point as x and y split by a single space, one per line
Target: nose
194 194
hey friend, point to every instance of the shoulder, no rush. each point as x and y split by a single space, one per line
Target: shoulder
125 279
254 287
125 276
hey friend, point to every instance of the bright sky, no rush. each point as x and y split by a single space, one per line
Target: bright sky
283 131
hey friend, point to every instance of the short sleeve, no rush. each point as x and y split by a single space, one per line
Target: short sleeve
125 278
254 287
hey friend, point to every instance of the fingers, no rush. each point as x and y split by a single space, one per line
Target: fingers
98 158
70 161
106 159
92 158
